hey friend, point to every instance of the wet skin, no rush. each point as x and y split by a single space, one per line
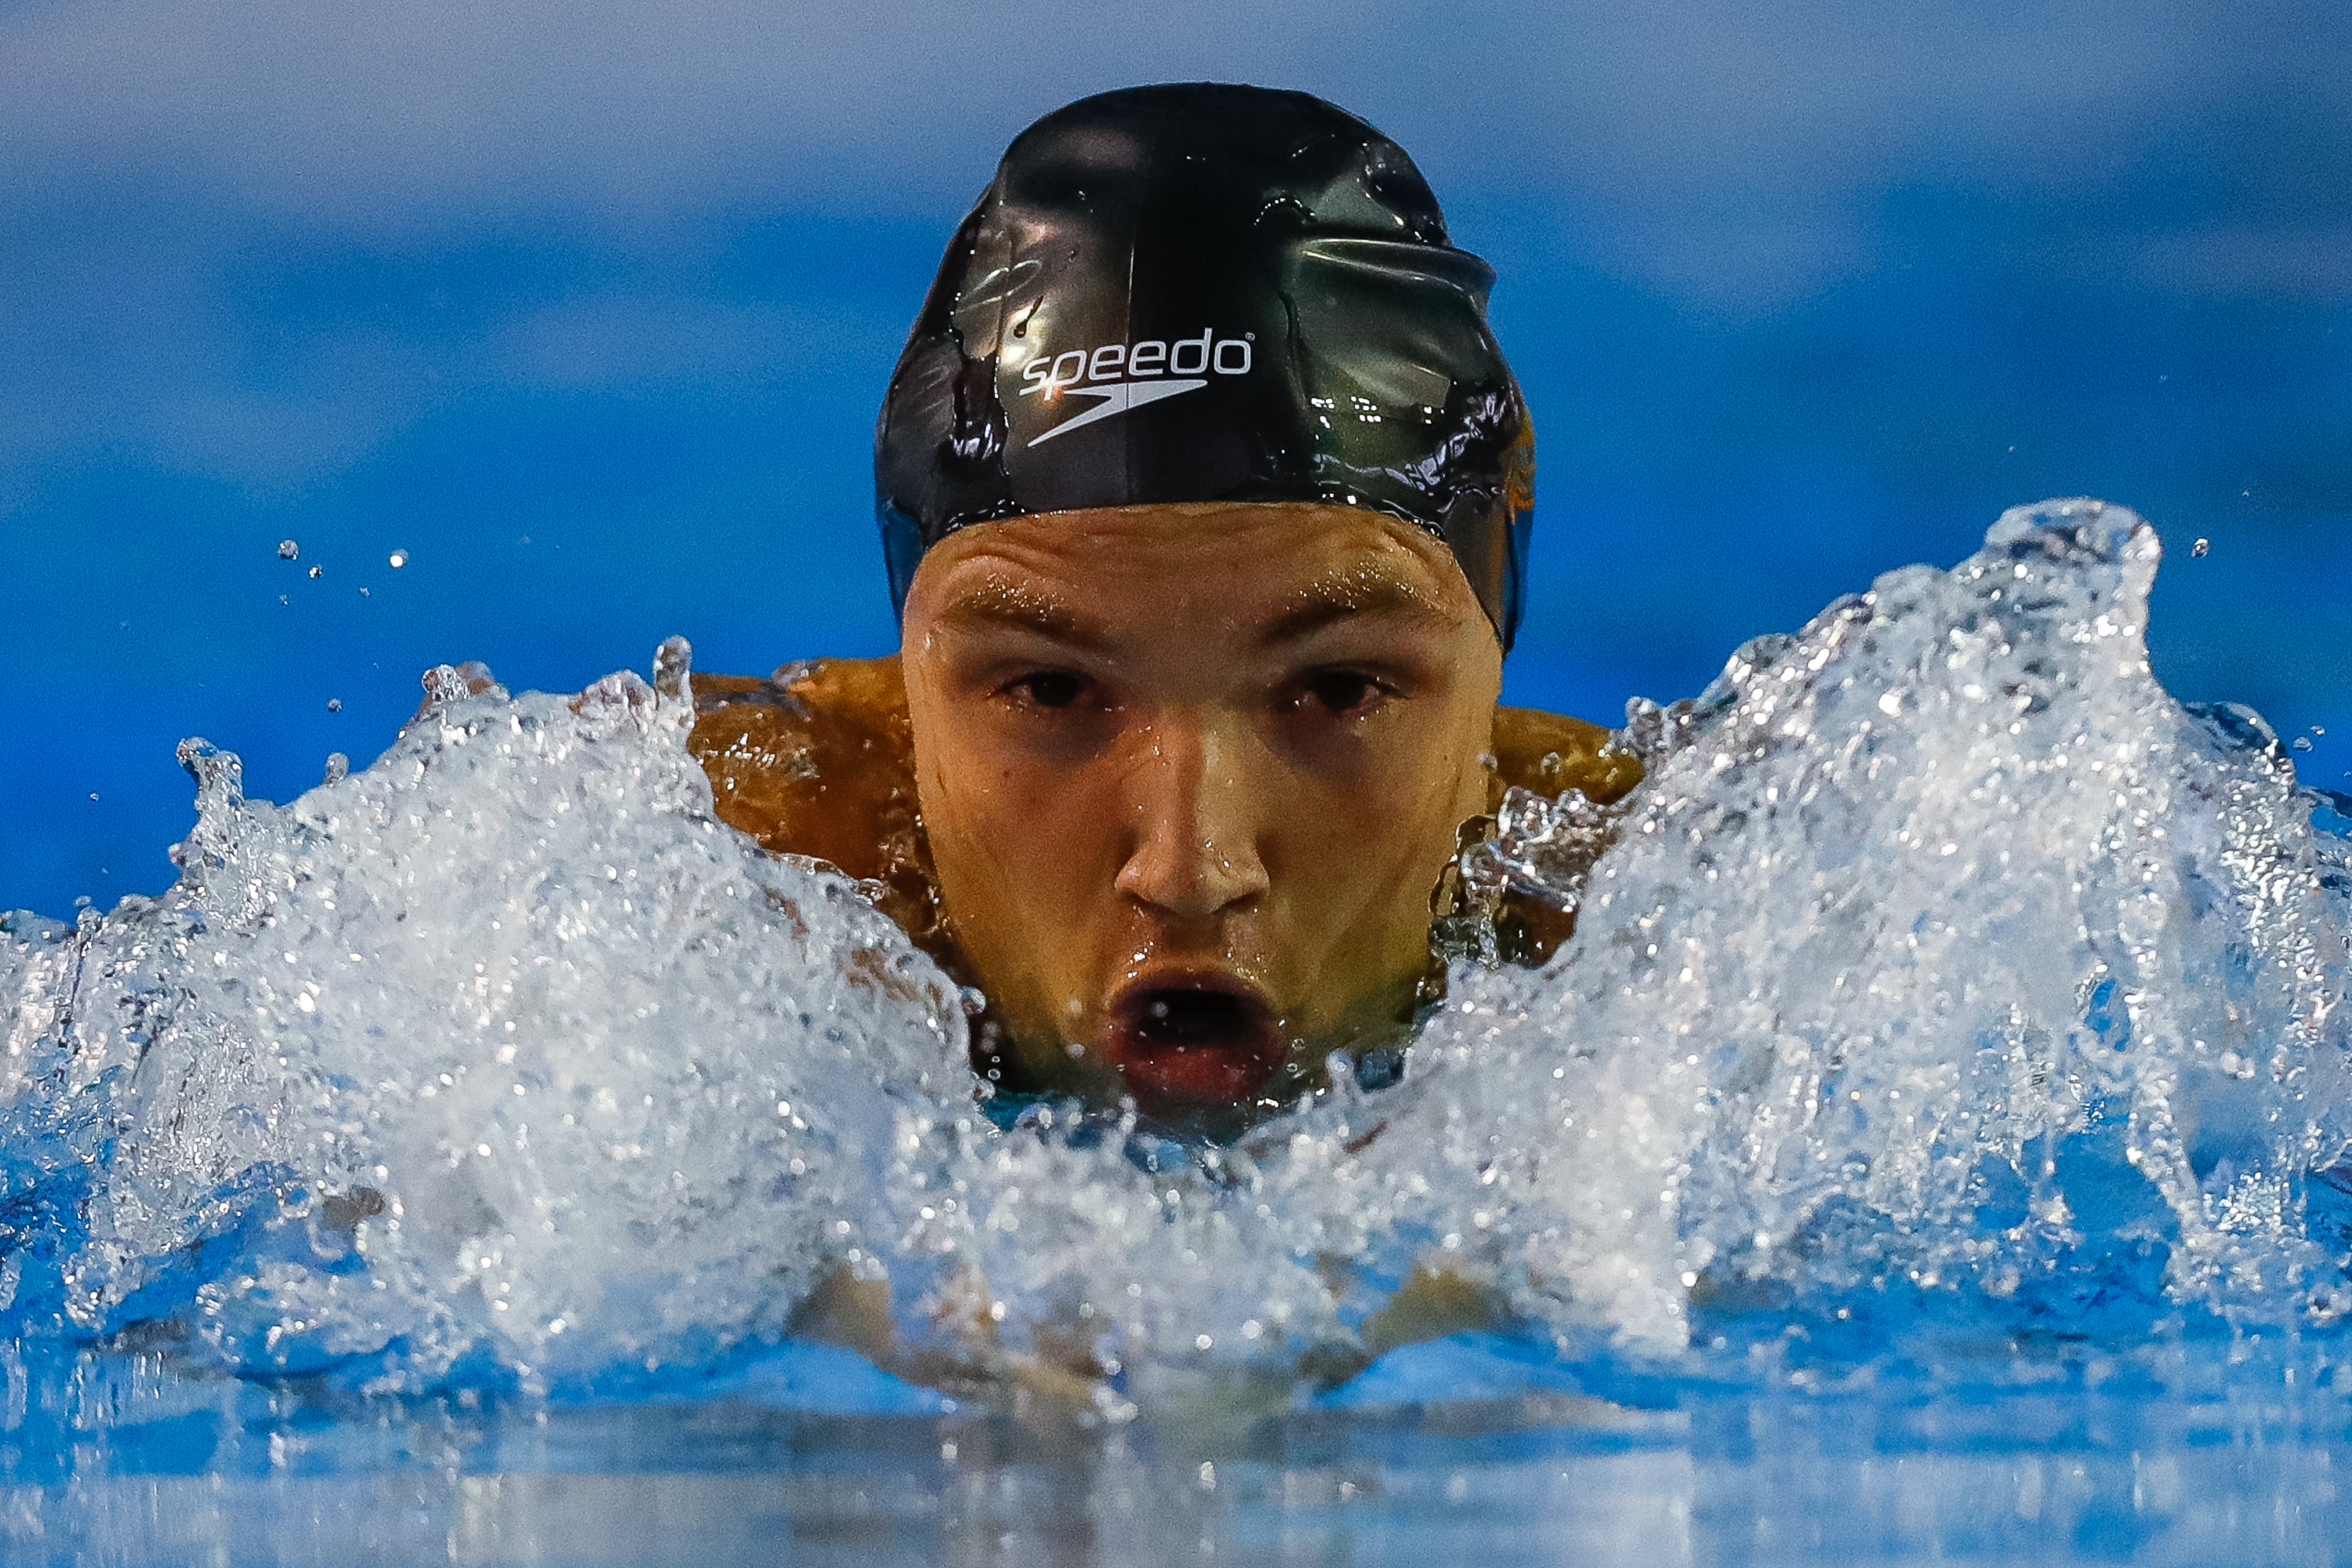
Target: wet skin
1189 776
1235 741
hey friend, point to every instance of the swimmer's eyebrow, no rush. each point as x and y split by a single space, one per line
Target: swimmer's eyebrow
997 606
1332 600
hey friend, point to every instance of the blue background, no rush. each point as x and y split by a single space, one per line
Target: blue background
587 307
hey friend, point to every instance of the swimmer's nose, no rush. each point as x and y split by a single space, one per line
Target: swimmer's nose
1197 818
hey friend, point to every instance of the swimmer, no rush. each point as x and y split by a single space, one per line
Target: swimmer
1204 492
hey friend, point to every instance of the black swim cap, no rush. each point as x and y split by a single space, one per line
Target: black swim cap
1208 293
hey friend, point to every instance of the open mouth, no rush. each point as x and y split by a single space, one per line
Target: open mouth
1190 1044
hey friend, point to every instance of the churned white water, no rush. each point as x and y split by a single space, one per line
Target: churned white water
501 1052
1945 970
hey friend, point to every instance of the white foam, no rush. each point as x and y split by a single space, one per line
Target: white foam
1941 945
1940 949
621 1083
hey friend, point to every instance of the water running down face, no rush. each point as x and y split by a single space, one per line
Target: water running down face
1189 776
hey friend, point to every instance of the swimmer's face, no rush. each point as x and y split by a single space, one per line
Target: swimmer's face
1189 776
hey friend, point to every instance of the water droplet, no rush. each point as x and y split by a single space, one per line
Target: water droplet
399 558
335 704
673 676
338 767
2319 729
2200 547
318 570
2302 743
93 794
287 550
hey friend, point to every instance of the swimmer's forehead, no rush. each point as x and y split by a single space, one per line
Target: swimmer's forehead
1282 571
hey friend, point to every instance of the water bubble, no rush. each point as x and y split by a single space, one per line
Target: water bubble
287 550
2200 547
318 570
399 558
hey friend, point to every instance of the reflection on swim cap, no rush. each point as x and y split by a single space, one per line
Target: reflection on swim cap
1208 293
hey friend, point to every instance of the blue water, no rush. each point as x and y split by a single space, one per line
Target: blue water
1932 1146
1440 1454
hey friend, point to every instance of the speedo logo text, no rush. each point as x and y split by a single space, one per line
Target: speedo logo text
1128 375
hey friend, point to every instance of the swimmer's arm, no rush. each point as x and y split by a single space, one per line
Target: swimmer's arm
959 1353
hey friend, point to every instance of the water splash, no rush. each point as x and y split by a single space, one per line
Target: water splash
501 1055
1945 972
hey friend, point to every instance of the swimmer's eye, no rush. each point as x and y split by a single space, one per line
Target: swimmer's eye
1049 688
1345 692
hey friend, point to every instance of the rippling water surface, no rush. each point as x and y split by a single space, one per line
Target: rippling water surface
1932 1145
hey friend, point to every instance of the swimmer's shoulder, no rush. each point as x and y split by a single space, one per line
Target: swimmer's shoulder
815 758
1551 754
